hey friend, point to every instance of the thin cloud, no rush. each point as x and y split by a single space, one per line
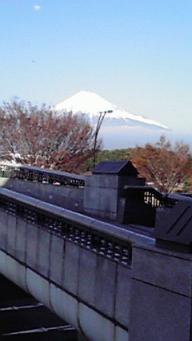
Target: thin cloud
36 8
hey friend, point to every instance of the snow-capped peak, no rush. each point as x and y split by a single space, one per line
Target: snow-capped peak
92 104
86 102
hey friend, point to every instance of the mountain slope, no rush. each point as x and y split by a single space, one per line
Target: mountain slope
92 105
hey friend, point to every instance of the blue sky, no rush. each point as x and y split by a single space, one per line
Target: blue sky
137 54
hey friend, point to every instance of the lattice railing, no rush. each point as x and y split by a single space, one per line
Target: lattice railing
148 195
36 174
103 243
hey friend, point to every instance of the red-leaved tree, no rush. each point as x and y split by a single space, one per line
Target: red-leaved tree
40 137
165 165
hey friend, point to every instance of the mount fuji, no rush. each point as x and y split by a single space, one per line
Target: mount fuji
92 105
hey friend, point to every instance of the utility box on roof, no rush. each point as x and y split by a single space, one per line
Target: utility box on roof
103 190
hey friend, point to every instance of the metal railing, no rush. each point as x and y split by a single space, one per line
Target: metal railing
149 195
93 235
36 174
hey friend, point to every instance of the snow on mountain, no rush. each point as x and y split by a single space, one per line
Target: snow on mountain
85 102
92 105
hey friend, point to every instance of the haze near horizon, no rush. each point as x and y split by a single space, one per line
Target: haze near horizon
135 54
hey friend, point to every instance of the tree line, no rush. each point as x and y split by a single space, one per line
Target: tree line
166 166
41 137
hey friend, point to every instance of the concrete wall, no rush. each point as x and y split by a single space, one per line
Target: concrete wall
161 295
63 196
150 300
103 192
87 290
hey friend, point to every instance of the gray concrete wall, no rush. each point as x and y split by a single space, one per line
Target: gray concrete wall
84 288
161 295
63 196
103 192
149 300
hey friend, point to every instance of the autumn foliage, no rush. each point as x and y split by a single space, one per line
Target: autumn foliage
164 165
40 137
